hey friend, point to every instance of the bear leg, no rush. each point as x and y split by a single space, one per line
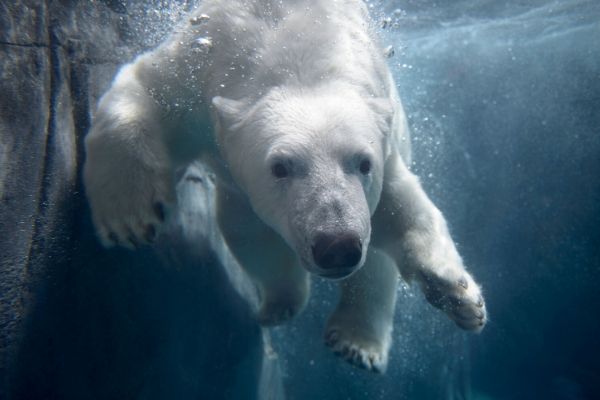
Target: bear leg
128 174
360 329
414 233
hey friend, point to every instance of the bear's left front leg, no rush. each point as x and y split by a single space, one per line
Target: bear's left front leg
360 329
414 232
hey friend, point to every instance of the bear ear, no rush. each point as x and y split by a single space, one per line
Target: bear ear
229 112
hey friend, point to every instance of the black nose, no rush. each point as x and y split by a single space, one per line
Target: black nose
334 251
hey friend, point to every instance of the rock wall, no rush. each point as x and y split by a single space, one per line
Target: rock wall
78 321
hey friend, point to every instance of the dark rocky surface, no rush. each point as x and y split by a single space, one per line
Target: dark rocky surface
78 321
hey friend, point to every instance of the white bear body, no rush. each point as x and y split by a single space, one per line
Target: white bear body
294 108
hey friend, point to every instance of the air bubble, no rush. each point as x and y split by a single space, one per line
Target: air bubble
389 52
199 19
202 44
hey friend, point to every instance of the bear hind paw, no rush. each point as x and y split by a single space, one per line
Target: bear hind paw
367 354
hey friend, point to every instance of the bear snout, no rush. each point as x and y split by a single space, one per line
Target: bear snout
337 254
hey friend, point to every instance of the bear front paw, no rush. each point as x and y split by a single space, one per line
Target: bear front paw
460 299
129 207
369 354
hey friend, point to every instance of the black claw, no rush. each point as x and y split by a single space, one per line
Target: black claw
150 234
462 282
134 242
159 210
113 237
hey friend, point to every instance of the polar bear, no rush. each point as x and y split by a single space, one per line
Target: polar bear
293 107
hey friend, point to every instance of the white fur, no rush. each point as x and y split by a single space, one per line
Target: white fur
301 83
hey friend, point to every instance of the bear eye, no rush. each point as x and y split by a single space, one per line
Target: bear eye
279 170
365 166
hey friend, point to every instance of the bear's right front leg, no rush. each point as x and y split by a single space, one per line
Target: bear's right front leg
409 227
127 174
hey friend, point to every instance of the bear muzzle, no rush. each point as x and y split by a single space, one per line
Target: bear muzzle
337 254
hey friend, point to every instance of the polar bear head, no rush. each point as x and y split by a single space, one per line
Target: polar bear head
311 162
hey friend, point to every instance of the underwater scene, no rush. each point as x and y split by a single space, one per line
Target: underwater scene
300 199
